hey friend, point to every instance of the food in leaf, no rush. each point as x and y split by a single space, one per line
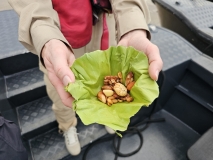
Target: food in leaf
113 91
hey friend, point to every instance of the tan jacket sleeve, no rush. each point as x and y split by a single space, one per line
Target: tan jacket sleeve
130 15
38 23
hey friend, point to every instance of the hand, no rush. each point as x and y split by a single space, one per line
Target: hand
57 59
138 40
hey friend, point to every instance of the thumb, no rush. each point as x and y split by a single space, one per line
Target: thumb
155 62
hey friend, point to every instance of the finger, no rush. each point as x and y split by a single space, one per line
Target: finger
65 97
155 61
61 67
71 60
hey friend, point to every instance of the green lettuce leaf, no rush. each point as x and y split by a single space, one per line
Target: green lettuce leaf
90 70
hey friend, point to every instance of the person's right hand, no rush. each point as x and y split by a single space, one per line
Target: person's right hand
57 59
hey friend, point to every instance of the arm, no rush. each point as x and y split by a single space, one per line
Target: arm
39 32
38 23
131 18
130 15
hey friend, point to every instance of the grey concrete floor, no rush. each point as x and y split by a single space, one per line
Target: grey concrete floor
4 5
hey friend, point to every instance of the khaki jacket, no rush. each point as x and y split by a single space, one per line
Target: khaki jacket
39 22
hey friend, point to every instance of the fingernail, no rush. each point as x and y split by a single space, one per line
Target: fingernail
156 74
66 80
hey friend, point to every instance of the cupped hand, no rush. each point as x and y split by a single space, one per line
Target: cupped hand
138 40
57 59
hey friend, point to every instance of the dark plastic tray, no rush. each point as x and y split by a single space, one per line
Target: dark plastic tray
192 19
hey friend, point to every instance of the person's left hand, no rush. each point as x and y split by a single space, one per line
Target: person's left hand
138 40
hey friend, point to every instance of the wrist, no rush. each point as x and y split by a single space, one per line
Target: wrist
51 41
47 44
140 32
